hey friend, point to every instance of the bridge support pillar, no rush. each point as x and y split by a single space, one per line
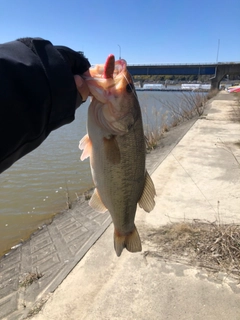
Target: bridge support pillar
215 83
220 72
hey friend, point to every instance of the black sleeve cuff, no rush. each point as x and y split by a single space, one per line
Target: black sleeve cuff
61 81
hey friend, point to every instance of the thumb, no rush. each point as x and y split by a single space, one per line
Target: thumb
81 87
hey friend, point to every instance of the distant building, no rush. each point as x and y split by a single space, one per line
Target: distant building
195 86
152 86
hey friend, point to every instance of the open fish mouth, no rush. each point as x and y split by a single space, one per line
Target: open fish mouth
110 84
109 70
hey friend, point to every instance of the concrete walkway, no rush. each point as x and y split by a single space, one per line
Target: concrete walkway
54 250
198 179
199 172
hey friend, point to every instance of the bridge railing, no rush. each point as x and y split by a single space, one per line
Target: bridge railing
182 64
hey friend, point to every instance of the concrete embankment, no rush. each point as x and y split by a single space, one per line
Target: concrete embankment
196 174
199 176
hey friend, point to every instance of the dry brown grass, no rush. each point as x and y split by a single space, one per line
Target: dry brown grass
213 246
192 105
154 127
29 278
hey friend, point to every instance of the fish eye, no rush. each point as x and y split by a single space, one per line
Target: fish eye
129 87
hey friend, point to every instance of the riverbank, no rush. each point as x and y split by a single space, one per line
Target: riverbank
51 177
192 170
198 174
33 270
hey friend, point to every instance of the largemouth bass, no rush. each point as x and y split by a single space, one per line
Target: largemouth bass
115 144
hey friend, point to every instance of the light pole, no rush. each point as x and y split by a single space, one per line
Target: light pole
218 49
119 51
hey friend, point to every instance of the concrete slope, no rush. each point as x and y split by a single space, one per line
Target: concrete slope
199 179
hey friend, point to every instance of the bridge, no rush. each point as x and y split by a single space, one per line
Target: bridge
217 70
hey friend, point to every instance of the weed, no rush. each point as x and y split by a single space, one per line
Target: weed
191 105
154 126
29 278
37 307
187 106
215 246
88 194
68 198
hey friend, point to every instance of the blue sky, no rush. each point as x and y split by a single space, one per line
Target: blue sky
150 31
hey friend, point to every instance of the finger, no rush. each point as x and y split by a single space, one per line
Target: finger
81 87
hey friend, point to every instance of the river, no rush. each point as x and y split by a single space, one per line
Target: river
34 189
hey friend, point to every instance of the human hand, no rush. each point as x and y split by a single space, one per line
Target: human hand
79 65
82 87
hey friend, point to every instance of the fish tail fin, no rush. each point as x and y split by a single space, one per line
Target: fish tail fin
131 242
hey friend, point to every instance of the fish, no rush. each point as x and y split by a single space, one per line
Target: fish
115 143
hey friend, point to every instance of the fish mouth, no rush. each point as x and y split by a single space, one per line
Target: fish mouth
106 79
110 70
107 84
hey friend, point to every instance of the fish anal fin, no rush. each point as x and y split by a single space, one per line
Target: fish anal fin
147 198
85 144
96 203
131 242
111 150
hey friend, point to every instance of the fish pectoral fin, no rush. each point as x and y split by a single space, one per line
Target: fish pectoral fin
147 198
96 202
111 150
85 144
130 241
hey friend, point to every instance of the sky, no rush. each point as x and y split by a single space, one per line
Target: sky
141 31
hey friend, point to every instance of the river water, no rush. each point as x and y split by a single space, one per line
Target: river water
34 189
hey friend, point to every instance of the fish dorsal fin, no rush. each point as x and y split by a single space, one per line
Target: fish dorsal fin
96 202
85 144
147 198
111 150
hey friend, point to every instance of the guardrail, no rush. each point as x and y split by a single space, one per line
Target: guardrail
182 64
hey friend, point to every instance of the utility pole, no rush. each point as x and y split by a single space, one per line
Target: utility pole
119 52
218 49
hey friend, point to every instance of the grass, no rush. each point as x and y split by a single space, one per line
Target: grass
29 278
192 105
154 127
214 246
68 199
37 307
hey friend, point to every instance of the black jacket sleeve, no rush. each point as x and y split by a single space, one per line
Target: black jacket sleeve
37 95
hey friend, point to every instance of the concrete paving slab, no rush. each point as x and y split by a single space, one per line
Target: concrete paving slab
52 253
199 179
136 286
54 250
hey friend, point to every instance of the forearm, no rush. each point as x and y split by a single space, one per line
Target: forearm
37 95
